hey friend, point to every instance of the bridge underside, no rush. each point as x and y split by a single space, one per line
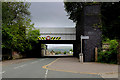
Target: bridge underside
57 41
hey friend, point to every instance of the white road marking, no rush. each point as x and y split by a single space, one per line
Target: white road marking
46 73
20 66
46 58
42 59
34 62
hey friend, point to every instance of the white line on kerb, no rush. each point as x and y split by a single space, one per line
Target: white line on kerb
46 73
19 66
2 72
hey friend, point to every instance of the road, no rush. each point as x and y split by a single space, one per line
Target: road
33 69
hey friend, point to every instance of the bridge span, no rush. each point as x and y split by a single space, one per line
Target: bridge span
85 26
63 33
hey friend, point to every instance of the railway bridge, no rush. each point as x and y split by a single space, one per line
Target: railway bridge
85 26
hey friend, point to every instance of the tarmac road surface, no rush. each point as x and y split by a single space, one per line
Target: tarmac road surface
33 69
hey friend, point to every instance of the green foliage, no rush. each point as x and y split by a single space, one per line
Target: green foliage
74 10
43 46
111 20
110 55
110 15
18 34
52 51
97 25
65 52
71 50
58 52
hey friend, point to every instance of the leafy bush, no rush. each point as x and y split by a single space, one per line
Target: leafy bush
58 52
110 55
65 52
71 50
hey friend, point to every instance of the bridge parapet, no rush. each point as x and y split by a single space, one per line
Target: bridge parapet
63 33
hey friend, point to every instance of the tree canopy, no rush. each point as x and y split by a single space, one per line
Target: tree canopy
110 12
111 20
17 31
74 10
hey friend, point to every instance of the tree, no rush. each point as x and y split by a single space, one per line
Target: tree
65 52
71 50
17 31
110 15
52 51
111 21
74 10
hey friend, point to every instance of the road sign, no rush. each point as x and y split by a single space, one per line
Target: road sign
84 37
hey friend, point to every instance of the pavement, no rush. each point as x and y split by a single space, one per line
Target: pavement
74 66
53 69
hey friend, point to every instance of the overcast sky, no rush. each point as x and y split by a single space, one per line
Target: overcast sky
49 14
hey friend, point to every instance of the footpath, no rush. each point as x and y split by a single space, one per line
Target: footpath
74 66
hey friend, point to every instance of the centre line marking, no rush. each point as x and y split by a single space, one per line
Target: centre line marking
46 73
42 59
34 62
19 66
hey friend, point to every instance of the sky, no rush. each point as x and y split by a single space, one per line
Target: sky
50 14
